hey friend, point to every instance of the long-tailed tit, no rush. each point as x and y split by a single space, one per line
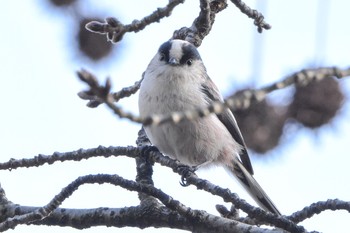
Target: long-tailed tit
176 80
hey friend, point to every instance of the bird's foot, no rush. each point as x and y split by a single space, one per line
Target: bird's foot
185 172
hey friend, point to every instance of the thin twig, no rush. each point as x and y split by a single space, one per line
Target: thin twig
94 101
115 30
254 14
76 155
102 93
318 207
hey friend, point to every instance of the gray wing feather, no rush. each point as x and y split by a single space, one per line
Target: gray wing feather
226 117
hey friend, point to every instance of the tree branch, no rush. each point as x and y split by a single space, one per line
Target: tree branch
257 215
260 215
138 216
144 167
201 25
198 221
318 207
115 30
102 93
77 155
253 14
94 101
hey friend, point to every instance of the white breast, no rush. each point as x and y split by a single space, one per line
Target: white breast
191 142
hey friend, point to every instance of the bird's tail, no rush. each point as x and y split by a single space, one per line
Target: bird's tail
252 187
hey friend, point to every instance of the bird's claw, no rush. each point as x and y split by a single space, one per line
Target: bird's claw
185 172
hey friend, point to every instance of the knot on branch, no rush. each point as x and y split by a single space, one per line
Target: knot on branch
259 21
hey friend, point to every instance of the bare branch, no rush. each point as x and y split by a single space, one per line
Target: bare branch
198 220
45 211
202 25
189 177
77 155
102 94
94 101
200 28
318 207
144 167
115 30
138 216
256 215
254 14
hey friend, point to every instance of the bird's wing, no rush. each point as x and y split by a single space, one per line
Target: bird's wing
226 117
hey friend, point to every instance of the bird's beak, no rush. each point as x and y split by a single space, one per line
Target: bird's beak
173 61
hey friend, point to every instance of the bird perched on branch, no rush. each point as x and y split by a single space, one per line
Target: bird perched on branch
176 80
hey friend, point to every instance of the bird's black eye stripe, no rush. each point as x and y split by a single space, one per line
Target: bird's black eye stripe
190 53
164 51
161 56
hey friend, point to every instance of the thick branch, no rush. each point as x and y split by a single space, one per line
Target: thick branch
257 215
200 27
144 167
198 221
254 212
138 216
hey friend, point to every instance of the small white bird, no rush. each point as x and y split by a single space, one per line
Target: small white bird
176 80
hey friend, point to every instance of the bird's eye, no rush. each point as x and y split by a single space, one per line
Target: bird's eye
161 57
189 62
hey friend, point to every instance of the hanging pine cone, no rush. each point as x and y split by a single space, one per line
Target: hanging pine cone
60 3
261 125
93 45
317 103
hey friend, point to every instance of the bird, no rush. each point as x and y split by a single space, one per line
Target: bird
176 80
